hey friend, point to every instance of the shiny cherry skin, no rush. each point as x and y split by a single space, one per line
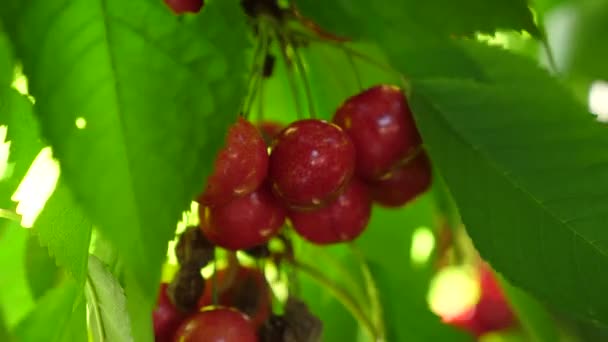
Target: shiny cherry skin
240 167
269 130
493 311
342 220
382 128
310 163
404 183
244 222
217 325
243 288
166 317
185 6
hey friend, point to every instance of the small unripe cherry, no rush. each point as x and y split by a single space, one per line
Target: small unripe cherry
185 6
166 317
240 167
244 222
310 163
217 325
342 220
404 183
382 128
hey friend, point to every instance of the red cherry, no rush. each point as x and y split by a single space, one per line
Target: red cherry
404 183
244 222
166 317
246 290
342 220
240 167
466 321
311 161
217 325
184 6
492 310
269 130
381 127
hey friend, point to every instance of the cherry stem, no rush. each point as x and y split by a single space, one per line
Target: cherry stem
344 275
302 71
252 77
341 295
10 215
256 77
214 291
550 55
261 101
290 77
372 293
353 52
353 65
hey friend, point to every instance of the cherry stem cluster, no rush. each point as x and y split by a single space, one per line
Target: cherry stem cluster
341 294
256 77
372 294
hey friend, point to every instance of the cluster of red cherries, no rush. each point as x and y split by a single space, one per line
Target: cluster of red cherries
322 176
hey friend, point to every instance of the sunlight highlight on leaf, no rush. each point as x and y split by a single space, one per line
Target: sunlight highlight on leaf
423 244
36 187
598 100
20 84
5 167
81 123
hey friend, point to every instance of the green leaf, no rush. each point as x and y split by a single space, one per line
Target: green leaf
77 329
387 244
51 319
156 92
535 319
525 163
4 332
107 305
42 272
66 231
6 61
470 16
586 54
23 135
15 298
444 16
416 50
